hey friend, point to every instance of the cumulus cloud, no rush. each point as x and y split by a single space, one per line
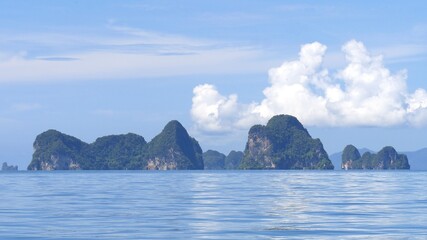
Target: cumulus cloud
417 107
214 112
298 87
363 93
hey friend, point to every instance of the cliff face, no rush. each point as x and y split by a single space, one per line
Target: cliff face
259 150
171 149
283 144
54 150
386 159
350 154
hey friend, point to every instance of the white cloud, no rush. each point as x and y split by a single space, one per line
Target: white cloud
125 53
141 36
363 93
212 111
417 107
116 65
372 96
23 107
402 52
295 87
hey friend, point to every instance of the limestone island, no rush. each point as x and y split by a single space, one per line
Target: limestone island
214 160
386 159
6 167
282 144
172 149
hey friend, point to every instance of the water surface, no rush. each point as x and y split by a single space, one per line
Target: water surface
213 205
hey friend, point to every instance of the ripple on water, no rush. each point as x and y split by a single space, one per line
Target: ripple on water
213 205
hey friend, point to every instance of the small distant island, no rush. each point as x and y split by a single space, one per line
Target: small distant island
214 160
6 167
386 159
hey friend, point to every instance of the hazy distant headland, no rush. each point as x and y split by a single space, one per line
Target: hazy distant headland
283 143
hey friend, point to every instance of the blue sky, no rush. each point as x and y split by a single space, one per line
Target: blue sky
93 68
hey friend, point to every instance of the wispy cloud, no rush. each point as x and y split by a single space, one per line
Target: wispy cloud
127 53
23 107
57 59
402 52
150 37
393 53
110 65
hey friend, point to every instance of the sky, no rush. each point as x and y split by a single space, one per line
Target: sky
353 72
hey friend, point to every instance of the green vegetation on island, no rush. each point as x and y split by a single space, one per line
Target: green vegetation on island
54 150
283 144
173 148
386 159
116 152
214 160
233 160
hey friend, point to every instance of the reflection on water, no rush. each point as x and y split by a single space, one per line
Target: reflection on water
213 205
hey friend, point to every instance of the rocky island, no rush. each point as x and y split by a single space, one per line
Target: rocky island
215 160
233 160
283 143
173 148
386 159
6 167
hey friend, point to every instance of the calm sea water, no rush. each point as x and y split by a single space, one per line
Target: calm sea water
213 205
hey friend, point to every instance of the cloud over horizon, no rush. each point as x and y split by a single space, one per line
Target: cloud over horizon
363 93
122 53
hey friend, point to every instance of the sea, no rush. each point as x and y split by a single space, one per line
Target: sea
213 205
